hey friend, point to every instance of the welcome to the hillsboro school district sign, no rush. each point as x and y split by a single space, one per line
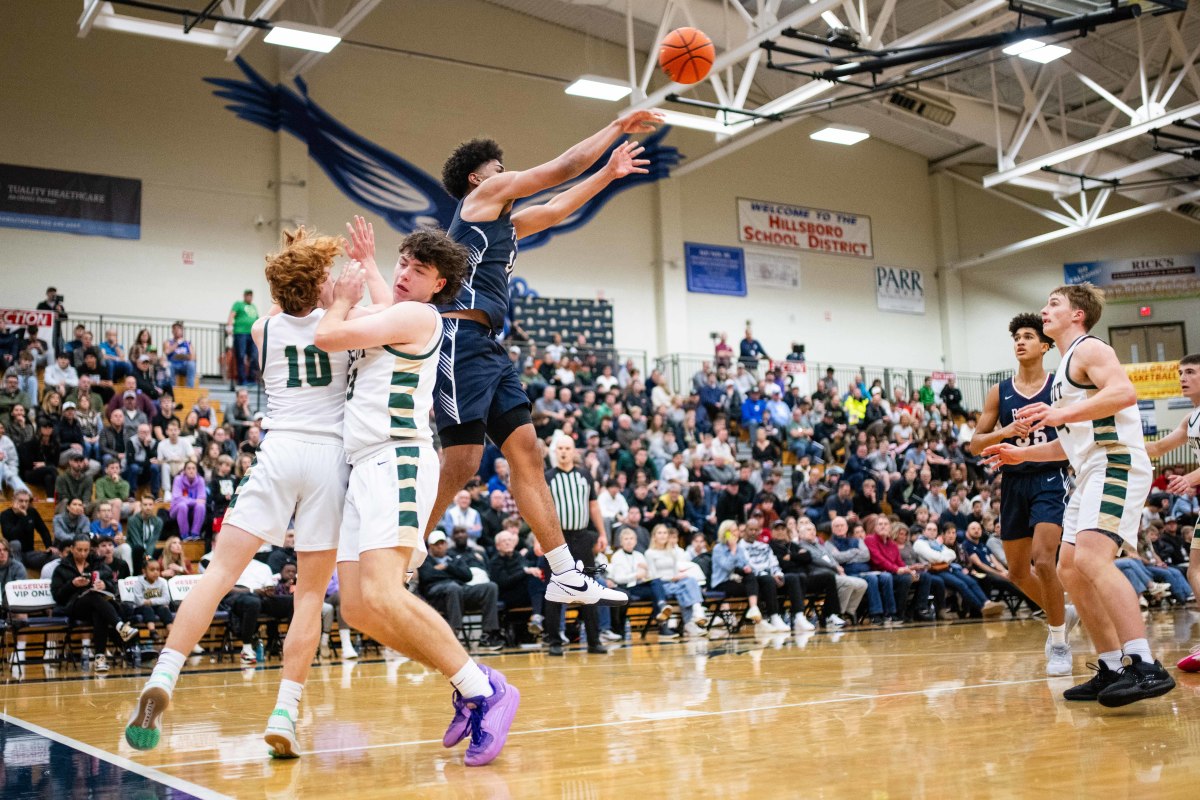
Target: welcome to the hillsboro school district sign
815 230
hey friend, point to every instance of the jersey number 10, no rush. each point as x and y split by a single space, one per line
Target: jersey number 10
316 366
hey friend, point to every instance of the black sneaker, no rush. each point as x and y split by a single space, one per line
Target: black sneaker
491 640
1138 681
1091 690
556 649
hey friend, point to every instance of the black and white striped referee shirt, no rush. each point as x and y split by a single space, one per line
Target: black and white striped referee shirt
572 495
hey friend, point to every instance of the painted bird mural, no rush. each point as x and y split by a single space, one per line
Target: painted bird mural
375 178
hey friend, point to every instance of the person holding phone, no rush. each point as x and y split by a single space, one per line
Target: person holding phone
86 591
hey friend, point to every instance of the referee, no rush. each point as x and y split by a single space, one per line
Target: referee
579 515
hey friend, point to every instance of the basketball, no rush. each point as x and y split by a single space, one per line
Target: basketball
686 55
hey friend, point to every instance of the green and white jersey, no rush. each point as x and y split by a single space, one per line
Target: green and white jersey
305 385
1115 441
1193 431
389 395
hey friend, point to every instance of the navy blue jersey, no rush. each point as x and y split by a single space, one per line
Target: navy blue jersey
1011 399
492 247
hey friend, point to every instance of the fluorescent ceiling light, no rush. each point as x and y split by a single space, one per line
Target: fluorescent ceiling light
599 88
840 134
1036 50
304 37
710 124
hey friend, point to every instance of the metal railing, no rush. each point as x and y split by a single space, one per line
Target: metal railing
680 367
208 338
1181 456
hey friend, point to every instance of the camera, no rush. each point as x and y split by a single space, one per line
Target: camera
713 335
798 349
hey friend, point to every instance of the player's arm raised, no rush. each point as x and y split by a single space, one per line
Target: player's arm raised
1166 444
400 324
361 248
500 190
623 161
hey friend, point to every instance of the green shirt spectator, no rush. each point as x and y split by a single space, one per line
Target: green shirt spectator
243 314
142 532
245 352
927 393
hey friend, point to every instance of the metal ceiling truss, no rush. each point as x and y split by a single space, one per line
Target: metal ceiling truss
231 30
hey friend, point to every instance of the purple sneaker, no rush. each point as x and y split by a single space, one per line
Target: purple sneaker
457 731
489 719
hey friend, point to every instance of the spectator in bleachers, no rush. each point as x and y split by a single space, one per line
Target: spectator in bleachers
1170 545
1186 507
492 518
87 347
174 560
76 482
221 487
630 572
906 494
151 600
633 523
144 530
39 458
51 407
11 395
107 556
852 553
253 439
244 604
935 500
518 579
670 566
10 463
141 462
866 502
18 525
222 438
145 379
90 423
11 569
283 555
952 396
850 589
70 522
113 439
886 559
445 581
165 413
732 573
460 514
105 522
956 514
840 504
27 380
242 316
143 345
71 439
750 351
179 353
206 415
129 388
90 601
113 356
85 387
20 427
208 461
173 454
113 488
983 566
189 496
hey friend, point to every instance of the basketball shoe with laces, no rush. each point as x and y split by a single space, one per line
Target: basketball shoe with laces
576 587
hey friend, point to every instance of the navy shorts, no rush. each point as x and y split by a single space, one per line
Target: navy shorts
1028 499
476 380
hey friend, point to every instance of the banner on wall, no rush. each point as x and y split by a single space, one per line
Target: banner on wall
1128 280
712 269
899 290
796 373
1154 380
1149 422
23 318
940 379
777 270
816 230
70 202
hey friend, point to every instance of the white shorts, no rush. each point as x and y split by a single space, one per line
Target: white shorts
391 495
293 477
1109 498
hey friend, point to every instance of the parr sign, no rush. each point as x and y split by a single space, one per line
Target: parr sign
816 230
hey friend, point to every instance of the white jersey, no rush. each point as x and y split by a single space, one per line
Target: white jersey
1115 441
1193 432
390 395
305 385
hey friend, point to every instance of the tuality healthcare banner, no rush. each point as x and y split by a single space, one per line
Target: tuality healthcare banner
70 202
1130 280
815 230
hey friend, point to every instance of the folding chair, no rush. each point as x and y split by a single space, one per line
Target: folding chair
33 599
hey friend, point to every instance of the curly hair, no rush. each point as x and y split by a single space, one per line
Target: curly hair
433 247
1031 321
466 158
297 272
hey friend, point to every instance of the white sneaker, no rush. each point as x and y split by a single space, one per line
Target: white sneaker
281 735
1059 662
609 636
802 625
324 649
197 650
573 587
100 664
126 631
1071 619
692 630
835 621
777 623
754 614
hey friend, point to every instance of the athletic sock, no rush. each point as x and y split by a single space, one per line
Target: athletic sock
1139 647
289 697
471 682
1058 634
560 560
1111 659
166 669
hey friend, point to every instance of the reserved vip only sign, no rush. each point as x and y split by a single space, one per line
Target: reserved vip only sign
815 230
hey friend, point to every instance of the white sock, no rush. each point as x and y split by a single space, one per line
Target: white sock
560 560
289 697
1058 634
471 682
1139 647
166 669
344 635
1111 659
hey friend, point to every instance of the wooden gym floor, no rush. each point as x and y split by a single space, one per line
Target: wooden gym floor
938 711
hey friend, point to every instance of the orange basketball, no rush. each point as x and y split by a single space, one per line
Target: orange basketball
686 55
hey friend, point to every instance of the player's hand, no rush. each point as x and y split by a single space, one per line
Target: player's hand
1002 453
1018 429
350 283
1178 484
361 246
640 121
624 160
1039 415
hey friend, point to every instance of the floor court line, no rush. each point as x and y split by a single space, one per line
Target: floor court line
635 721
153 773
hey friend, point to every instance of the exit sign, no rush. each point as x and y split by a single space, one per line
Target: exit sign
1144 311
